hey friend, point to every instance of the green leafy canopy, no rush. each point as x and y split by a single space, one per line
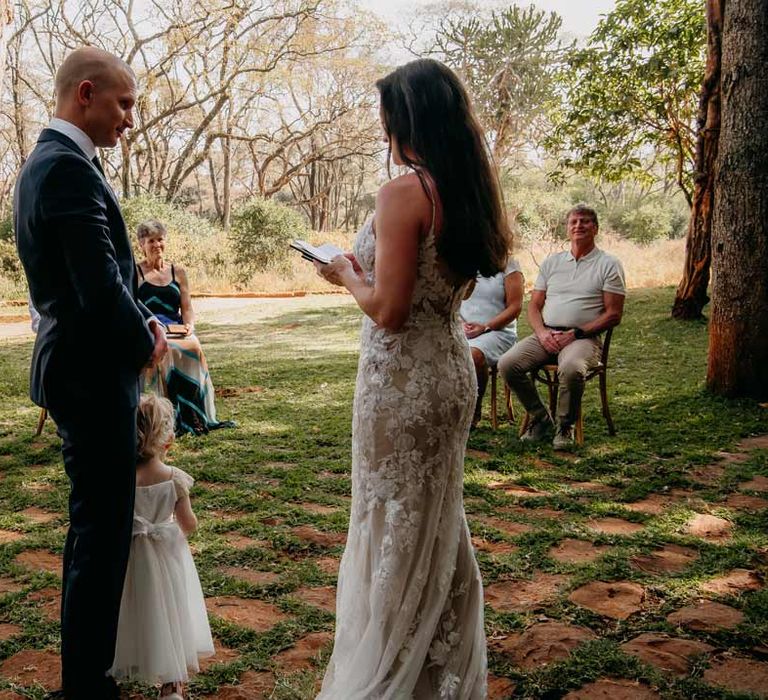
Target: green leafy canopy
631 94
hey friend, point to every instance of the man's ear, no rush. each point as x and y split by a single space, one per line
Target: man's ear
85 93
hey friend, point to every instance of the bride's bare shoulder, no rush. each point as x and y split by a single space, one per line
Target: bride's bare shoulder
406 189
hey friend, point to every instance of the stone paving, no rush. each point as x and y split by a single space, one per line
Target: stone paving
643 595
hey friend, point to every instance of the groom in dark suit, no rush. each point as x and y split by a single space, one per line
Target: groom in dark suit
93 340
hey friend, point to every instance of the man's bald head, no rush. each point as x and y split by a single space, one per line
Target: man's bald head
89 63
96 92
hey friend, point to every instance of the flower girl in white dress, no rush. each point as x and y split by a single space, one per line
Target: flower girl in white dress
163 628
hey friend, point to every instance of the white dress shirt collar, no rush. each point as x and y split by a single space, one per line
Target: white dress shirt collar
82 139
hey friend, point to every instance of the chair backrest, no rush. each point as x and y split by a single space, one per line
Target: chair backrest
606 347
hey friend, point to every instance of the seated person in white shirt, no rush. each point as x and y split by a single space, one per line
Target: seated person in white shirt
578 294
490 322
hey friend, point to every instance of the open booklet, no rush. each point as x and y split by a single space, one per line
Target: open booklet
322 253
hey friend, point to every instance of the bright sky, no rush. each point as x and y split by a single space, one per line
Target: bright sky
579 16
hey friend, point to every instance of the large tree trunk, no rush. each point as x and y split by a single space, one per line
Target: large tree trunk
691 296
738 331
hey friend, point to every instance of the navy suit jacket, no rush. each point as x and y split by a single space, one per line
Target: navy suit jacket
93 337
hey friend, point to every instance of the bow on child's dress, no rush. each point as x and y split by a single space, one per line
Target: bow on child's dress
164 533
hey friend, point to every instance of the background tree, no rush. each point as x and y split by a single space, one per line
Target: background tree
227 108
510 60
691 296
631 94
738 330
6 18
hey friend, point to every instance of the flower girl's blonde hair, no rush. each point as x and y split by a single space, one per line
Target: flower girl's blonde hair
155 426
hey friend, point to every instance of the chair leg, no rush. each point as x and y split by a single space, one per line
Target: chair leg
494 414
553 387
41 421
508 402
579 428
524 423
604 399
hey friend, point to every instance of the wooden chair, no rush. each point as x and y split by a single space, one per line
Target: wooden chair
41 421
547 374
494 372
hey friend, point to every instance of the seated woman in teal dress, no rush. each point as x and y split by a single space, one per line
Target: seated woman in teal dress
490 322
182 376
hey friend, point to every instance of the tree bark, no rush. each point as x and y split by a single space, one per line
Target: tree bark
738 331
691 296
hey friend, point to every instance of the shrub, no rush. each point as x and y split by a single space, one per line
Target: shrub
261 232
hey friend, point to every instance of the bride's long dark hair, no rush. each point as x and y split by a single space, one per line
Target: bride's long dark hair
427 111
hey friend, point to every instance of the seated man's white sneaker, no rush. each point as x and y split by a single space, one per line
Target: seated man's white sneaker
563 438
538 429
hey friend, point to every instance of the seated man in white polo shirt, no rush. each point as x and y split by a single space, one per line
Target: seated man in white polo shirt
578 294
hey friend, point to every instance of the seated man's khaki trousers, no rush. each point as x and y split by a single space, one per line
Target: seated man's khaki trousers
573 363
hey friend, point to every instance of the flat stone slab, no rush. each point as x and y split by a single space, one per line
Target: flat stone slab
319 508
328 565
521 595
742 501
40 560
48 603
494 548
323 597
654 504
572 551
7 536
7 630
733 583
255 578
669 654
543 643
517 490
505 526
254 685
246 612
614 526
241 542
707 616
31 666
591 486
709 473
670 558
759 442
759 483
739 675
613 690
221 655
322 539
499 688
709 527
618 599
38 515
304 652
8 585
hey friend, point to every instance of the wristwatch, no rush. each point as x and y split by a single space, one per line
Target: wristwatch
487 329
579 334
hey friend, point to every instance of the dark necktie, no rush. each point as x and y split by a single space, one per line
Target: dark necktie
95 160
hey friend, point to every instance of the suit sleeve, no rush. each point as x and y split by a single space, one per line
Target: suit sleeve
74 206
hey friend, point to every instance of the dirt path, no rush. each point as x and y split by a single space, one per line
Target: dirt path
224 311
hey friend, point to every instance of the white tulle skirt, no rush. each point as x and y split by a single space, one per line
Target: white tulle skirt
163 629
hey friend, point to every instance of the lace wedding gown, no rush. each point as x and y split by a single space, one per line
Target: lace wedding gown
409 613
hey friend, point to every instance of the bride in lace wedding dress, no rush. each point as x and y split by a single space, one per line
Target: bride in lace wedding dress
409 621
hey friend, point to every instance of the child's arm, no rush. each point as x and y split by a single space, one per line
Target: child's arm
185 517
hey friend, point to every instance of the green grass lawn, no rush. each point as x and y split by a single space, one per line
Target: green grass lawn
272 498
